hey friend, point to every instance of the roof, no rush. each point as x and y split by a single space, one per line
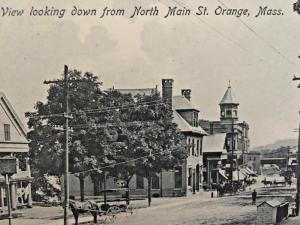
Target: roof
14 115
229 97
181 103
134 92
214 143
185 126
272 203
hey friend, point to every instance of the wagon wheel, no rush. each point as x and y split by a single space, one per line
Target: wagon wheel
111 214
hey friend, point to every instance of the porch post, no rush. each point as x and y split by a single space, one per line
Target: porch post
29 202
1 197
13 195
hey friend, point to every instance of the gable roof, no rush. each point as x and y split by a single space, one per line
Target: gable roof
184 126
13 114
214 143
272 203
229 97
181 103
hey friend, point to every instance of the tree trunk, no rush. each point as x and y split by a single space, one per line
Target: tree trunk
81 182
149 188
104 193
127 193
161 184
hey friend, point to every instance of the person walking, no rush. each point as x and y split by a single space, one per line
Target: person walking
254 194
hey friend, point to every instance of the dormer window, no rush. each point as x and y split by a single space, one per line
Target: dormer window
7 132
195 119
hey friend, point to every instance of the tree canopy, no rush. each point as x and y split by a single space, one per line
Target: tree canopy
110 131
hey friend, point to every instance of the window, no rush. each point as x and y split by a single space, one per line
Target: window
190 177
178 177
195 119
189 144
193 146
235 113
228 112
201 146
155 182
6 132
198 147
222 113
139 182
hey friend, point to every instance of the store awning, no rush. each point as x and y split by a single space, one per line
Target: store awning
238 174
250 172
222 173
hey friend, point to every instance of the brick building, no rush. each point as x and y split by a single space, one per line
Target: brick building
182 180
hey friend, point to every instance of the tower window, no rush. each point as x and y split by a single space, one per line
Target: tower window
228 112
7 132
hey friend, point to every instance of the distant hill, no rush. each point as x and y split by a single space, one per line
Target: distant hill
293 143
278 149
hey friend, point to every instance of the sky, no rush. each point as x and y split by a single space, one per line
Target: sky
259 55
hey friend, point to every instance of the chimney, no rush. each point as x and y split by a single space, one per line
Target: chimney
167 91
186 93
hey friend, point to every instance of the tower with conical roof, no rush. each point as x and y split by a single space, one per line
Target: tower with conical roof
229 106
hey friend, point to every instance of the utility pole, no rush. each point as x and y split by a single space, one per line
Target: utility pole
149 179
67 117
298 162
232 154
288 157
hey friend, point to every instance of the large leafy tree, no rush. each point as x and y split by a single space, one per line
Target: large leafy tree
46 125
111 132
147 140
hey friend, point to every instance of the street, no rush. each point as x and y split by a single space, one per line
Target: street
191 210
197 209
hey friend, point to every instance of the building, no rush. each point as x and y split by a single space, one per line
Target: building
237 140
214 156
254 161
188 177
183 179
186 116
12 141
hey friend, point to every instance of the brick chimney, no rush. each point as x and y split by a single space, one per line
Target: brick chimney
167 91
186 93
